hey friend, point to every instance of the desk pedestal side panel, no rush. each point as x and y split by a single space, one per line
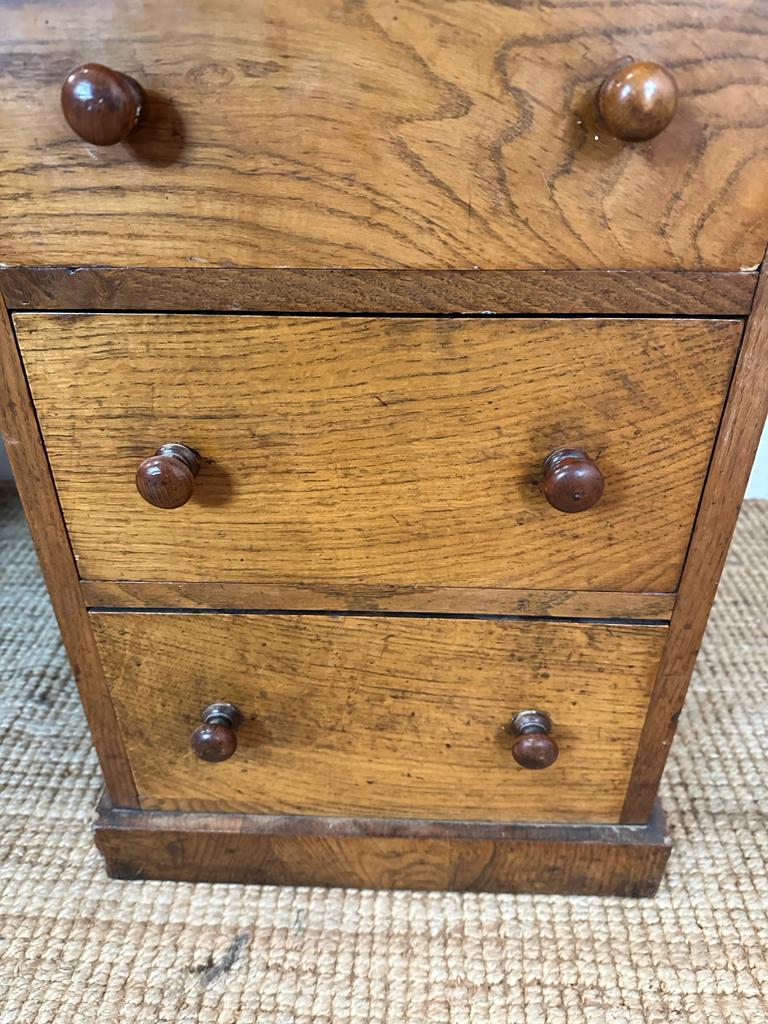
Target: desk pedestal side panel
320 321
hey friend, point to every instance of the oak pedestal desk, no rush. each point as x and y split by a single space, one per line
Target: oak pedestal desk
382 379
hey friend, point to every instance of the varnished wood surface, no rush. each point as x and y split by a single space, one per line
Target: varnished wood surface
534 747
390 452
444 600
391 717
585 859
101 105
638 100
527 292
215 739
743 423
166 479
36 489
419 134
572 481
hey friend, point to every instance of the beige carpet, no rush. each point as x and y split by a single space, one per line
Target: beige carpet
75 947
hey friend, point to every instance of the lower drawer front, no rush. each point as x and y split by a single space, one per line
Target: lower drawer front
380 717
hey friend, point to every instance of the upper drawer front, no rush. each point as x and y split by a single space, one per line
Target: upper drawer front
424 134
382 717
380 451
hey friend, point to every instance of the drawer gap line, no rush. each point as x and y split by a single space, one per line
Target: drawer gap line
355 613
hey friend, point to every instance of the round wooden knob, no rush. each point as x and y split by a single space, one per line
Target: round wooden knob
533 748
572 481
167 478
101 105
216 739
638 100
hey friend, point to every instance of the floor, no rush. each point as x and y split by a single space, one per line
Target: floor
77 947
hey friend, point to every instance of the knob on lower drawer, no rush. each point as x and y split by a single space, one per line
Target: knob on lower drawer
637 100
572 480
216 739
101 105
533 748
167 478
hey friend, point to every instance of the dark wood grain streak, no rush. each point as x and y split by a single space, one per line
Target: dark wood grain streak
737 441
437 601
368 853
525 292
38 494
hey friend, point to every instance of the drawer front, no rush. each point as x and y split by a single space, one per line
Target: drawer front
377 716
387 452
457 134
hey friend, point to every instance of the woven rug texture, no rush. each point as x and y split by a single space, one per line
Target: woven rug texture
77 947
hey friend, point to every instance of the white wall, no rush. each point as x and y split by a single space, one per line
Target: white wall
758 485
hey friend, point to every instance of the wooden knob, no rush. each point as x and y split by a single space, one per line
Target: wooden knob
533 748
216 739
572 481
167 478
103 106
638 100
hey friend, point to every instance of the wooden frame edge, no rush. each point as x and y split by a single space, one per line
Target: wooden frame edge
217 596
27 455
620 860
393 292
741 426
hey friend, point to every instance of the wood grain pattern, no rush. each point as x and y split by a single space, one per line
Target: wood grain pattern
572 481
526 292
391 717
738 438
100 104
444 600
638 100
424 134
38 494
585 859
215 739
393 451
166 479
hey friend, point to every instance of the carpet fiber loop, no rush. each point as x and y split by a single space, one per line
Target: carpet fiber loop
77 948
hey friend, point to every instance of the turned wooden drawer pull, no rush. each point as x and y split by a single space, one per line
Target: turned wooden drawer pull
533 747
216 739
637 100
101 105
572 481
167 478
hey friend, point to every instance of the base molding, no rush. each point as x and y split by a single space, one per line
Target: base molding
599 860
